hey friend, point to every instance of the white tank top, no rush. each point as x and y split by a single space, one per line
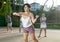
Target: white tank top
26 22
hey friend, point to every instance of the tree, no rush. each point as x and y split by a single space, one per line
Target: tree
44 5
5 8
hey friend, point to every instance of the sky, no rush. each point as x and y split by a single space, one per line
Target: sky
41 2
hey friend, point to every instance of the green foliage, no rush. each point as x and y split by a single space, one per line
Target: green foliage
16 21
2 21
53 26
49 26
4 10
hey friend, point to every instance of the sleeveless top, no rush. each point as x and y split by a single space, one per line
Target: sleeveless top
43 19
9 19
26 22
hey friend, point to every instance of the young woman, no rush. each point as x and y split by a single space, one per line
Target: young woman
28 20
9 23
43 25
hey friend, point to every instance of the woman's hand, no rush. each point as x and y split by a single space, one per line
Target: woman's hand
14 13
37 16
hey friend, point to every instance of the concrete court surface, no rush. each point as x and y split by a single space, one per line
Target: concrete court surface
52 36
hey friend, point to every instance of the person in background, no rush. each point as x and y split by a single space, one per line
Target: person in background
9 22
42 25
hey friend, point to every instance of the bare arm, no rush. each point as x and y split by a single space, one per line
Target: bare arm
18 14
34 20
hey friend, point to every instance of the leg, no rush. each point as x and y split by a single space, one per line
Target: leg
19 29
33 37
11 28
7 28
40 32
25 37
45 31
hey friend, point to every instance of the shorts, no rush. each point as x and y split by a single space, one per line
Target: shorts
9 24
29 29
21 26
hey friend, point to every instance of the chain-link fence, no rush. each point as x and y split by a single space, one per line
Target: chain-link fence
52 14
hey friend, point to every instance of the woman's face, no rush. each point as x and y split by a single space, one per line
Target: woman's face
43 15
26 8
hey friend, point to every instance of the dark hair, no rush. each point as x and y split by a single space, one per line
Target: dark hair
28 5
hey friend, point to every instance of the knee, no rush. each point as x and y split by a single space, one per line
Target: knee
34 38
41 30
25 39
